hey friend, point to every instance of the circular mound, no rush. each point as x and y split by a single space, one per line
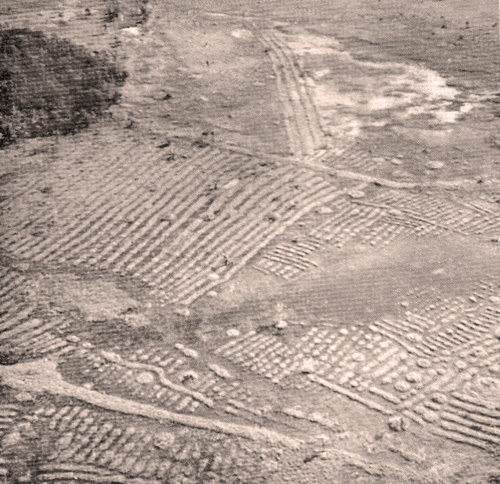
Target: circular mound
51 86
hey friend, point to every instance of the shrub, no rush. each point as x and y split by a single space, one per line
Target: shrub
50 86
112 13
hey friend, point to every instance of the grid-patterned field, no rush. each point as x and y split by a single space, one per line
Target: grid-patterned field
320 362
434 368
180 226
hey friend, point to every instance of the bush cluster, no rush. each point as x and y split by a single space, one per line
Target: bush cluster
51 86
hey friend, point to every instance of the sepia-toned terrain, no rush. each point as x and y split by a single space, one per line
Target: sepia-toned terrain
273 258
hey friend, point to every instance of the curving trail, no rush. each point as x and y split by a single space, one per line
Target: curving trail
42 376
160 374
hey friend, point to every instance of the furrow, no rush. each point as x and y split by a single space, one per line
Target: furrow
238 230
252 250
246 200
182 208
144 219
286 88
296 93
121 172
309 107
92 227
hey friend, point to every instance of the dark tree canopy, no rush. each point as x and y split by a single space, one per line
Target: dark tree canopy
49 85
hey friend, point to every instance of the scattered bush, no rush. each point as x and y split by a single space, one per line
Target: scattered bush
112 13
51 86
127 13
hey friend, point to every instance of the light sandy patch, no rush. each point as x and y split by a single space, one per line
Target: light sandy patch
321 73
354 94
312 44
242 34
96 300
131 31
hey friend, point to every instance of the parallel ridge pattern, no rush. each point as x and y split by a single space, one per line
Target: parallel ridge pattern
288 260
200 258
4 470
487 287
22 335
460 334
464 404
378 221
68 473
8 416
302 120
75 195
89 443
349 157
262 353
319 353
20 332
148 226
10 191
11 283
347 223
453 329
434 371
440 212
350 221
137 384
87 438
466 419
481 206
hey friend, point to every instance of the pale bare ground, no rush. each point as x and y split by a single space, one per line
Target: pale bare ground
276 262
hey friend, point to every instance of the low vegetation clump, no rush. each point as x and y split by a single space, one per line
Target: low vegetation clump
131 13
51 86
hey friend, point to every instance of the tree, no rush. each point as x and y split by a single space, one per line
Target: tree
51 86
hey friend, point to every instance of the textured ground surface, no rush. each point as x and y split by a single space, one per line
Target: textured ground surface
277 261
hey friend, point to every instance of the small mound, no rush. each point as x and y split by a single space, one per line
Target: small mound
50 86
